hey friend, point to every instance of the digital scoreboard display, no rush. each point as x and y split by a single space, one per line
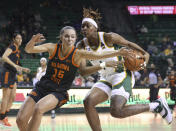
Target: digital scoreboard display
149 10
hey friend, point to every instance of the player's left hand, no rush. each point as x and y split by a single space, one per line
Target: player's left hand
27 70
125 52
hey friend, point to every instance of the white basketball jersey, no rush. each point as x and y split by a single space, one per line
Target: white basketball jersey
40 73
102 47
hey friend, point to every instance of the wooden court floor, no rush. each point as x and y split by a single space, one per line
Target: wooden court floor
78 122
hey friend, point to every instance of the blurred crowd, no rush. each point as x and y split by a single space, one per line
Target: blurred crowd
22 19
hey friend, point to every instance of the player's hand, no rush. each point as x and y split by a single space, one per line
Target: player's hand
18 68
38 38
114 64
125 52
27 70
146 59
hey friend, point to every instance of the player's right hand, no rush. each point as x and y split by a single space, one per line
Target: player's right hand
38 38
125 52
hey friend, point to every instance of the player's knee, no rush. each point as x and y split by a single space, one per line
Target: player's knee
20 120
6 95
38 109
13 98
88 102
5 99
116 112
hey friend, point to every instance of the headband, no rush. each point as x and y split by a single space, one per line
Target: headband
91 21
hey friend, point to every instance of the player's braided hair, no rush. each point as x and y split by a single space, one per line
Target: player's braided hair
89 13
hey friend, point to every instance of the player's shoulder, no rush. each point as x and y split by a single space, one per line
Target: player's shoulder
12 47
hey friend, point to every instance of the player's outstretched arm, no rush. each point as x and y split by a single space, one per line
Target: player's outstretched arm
89 55
6 59
113 38
85 70
31 48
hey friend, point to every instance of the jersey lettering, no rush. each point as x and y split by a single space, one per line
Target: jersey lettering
58 75
61 66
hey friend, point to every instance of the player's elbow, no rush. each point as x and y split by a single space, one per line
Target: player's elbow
83 73
27 50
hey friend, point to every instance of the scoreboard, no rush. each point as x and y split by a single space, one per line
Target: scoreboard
149 10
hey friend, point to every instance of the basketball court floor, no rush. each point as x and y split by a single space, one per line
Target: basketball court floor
78 122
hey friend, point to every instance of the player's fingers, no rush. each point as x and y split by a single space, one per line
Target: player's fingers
43 39
130 55
139 57
143 65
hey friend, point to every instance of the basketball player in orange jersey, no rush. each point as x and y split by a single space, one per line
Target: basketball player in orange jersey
10 68
115 83
51 91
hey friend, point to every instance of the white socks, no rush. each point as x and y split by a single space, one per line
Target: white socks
152 106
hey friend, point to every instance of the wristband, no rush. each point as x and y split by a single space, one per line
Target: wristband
103 65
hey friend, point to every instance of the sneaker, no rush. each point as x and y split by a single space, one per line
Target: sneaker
5 122
165 112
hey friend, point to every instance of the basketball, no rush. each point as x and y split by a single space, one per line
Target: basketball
134 63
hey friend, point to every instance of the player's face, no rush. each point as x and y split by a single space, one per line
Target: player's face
18 40
88 29
68 37
43 62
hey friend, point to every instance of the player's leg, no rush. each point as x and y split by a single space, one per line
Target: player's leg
9 103
5 95
120 95
12 97
4 103
151 93
99 93
5 98
119 109
45 104
25 113
122 87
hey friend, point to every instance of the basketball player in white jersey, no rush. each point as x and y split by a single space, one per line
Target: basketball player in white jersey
41 70
116 82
